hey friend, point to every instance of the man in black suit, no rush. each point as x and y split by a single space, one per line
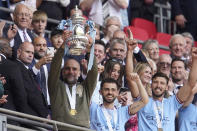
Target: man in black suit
14 84
19 32
25 55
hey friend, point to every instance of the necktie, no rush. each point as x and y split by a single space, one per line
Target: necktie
43 82
105 6
25 36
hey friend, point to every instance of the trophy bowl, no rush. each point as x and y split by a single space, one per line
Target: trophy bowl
78 41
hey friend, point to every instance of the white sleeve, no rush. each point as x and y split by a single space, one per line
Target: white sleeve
64 3
12 43
35 70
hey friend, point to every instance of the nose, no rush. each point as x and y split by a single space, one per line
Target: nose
96 53
118 53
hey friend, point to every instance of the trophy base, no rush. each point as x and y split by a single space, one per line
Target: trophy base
76 51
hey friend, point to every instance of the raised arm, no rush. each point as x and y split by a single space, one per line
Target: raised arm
186 90
136 106
191 97
131 44
91 79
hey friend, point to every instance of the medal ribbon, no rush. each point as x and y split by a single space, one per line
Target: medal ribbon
156 110
72 99
109 117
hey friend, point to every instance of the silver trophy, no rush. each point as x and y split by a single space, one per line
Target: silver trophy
78 42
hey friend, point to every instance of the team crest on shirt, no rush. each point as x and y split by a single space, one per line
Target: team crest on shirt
79 90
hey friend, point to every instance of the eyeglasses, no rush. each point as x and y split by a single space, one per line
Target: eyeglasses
164 64
23 14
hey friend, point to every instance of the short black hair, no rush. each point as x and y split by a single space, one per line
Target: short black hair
160 74
100 42
56 31
109 80
124 90
178 59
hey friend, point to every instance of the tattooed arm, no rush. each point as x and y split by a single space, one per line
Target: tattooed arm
136 106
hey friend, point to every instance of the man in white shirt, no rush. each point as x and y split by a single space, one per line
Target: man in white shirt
98 12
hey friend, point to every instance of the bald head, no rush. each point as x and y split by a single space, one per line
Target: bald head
40 47
71 71
25 53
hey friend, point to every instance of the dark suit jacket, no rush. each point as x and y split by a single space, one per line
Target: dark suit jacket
34 95
14 87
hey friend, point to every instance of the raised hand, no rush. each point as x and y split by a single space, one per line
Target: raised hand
66 34
100 68
44 60
12 31
134 77
131 43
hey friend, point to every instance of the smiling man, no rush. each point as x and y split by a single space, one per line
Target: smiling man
19 32
107 117
159 114
178 73
69 99
177 46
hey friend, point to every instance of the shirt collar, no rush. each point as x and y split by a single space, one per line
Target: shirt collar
23 64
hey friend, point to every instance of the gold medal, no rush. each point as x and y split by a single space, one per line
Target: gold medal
160 129
73 112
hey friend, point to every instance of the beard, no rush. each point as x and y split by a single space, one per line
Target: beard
157 95
176 80
108 101
37 56
70 81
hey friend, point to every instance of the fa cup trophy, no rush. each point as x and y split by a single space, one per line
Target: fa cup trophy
78 42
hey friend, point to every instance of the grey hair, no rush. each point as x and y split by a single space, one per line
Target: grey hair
111 18
175 36
188 35
119 41
148 43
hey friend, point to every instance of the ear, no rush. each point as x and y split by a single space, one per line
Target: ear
18 53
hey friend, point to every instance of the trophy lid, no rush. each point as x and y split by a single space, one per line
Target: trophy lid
77 17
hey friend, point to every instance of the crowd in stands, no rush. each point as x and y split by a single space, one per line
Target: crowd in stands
130 86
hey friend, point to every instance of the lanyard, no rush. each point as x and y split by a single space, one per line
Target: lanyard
109 117
156 110
72 99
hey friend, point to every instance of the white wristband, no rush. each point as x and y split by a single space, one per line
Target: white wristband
136 50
